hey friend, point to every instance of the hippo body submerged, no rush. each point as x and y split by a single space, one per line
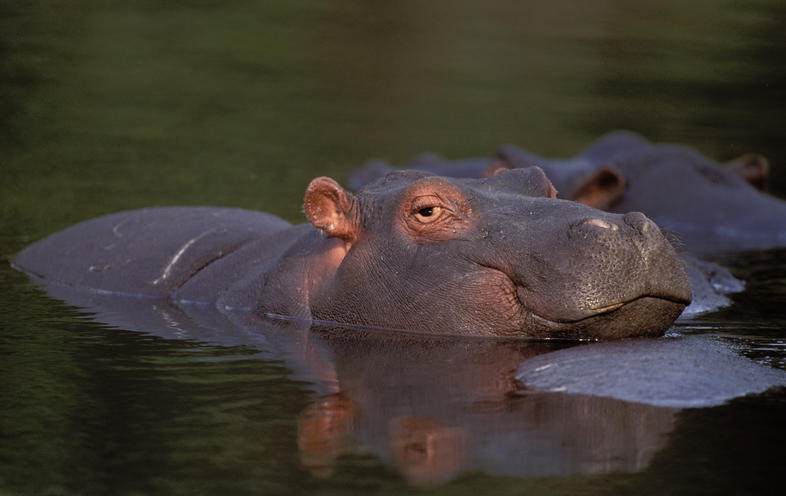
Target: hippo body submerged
497 256
711 208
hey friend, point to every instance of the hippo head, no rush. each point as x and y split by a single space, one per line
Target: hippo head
499 256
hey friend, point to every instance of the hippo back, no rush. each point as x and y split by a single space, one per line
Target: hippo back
148 252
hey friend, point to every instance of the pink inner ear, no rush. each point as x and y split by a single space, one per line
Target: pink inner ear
752 168
330 208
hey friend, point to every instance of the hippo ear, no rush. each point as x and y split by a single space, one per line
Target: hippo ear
753 169
601 189
331 209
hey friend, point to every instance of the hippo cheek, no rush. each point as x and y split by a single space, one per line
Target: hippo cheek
481 302
491 305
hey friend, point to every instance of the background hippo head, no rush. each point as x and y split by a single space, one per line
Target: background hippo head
711 207
492 256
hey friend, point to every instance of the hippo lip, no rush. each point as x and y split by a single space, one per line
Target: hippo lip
649 313
577 315
614 321
609 309
666 298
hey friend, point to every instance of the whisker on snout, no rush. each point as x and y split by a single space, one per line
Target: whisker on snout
672 237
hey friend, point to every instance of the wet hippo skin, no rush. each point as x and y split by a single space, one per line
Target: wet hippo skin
497 256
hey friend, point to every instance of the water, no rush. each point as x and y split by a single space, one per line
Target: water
106 106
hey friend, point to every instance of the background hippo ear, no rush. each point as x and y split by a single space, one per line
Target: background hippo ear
601 189
753 169
331 209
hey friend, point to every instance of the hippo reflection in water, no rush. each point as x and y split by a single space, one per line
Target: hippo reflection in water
434 407
498 256
712 208
582 409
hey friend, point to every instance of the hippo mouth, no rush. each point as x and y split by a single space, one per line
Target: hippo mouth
644 316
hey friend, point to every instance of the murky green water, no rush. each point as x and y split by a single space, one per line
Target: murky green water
113 105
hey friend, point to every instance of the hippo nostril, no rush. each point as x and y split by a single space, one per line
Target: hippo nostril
638 221
600 223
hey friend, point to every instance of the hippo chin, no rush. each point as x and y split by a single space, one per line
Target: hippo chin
499 256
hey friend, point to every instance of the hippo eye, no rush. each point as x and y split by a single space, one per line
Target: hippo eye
428 214
438 216
427 209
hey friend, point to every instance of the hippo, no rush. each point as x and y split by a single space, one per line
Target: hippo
711 208
497 256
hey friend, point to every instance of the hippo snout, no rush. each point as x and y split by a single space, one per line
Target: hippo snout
612 268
